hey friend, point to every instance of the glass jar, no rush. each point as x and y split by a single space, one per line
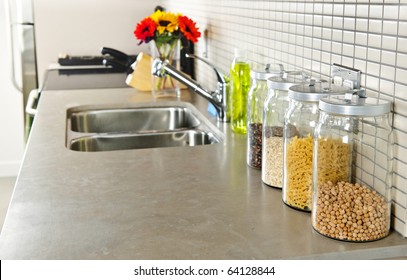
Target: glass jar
353 168
255 108
299 124
239 87
275 107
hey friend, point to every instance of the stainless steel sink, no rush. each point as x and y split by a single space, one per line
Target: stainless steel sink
142 141
133 119
142 126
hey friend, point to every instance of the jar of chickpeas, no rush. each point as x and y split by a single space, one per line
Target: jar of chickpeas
353 166
299 124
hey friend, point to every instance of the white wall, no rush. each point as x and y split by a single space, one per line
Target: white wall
11 110
82 27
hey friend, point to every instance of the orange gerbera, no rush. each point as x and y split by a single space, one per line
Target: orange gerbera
145 30
189 29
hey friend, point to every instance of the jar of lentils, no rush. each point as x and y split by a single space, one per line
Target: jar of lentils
275 107
255 108
299 124
353 166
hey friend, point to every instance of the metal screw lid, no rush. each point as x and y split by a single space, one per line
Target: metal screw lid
266 72
314 91
289 79
354 105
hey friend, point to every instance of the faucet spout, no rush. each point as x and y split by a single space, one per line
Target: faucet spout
217 98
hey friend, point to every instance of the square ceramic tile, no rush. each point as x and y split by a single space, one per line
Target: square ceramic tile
374 41
388 57
349 23
402 60
318 20
375 26
337 35
387 72
318 8
362 11
391 12
376 11
328 9
389 27
348 37
362 25
387 87
389 43
347 60
361 38
349 10
360 52
327 33
337 22
317 44
348 49
403 12
338 9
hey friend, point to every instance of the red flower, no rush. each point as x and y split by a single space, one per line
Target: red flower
189 29
145 30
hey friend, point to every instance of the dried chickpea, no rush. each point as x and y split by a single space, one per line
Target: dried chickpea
362 214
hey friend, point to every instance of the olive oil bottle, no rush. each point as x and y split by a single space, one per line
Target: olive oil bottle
239 86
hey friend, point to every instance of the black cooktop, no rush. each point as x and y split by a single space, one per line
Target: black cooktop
84 78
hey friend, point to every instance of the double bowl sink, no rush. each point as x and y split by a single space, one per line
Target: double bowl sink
142 126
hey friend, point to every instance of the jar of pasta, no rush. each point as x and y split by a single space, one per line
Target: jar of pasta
299 124
353 168
255 108
275 107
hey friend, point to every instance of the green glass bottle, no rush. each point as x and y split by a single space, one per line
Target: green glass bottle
239 86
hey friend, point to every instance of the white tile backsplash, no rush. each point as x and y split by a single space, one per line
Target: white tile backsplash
370 35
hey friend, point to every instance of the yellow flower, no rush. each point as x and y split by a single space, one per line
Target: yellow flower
165 21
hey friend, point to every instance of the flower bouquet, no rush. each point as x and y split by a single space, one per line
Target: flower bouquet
165 31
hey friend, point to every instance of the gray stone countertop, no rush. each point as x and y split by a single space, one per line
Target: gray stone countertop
200 202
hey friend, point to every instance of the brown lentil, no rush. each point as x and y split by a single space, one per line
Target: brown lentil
254 148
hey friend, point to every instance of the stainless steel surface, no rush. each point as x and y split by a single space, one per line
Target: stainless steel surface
117 142
132 119
22 46
218 98
170 203
142 126
23 51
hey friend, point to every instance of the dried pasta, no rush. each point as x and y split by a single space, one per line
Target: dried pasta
298 177
333 158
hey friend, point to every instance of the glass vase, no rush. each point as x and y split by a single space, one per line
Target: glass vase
166 86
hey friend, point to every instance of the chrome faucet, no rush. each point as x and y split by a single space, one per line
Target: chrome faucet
217 98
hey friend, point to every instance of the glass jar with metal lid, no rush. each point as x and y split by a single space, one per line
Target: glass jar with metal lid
275 107
352 168
255 108
299 124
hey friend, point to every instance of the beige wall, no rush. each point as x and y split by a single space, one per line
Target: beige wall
11 111
78 27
